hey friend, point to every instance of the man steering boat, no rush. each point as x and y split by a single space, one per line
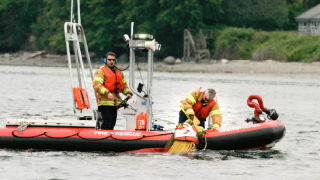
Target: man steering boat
108 83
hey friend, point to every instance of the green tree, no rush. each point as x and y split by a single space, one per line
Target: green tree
295 8
258 14
175 16
212 12
307 4
166 19
97 18
48 28
102 31
142 13
15 19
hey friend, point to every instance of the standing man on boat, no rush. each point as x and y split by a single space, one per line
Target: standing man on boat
108 83
198 106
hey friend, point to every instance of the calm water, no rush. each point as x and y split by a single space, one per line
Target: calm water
44 93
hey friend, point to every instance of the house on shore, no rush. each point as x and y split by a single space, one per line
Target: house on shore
309 21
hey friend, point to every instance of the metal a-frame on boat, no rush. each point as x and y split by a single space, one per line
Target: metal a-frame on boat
74 33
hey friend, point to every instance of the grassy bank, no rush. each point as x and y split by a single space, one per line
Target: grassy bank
241 43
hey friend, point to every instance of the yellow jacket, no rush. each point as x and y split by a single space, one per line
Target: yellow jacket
102 92
187 107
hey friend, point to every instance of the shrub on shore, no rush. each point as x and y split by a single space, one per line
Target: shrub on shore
241 43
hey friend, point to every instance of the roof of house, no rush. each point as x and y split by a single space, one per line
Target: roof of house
311 15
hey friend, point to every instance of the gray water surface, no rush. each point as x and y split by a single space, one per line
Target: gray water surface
44 93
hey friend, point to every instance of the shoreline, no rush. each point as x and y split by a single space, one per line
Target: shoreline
213 66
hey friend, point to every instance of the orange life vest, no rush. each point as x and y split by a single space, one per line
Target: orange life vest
113 81
200 111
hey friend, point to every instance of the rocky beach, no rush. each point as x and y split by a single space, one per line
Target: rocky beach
42 59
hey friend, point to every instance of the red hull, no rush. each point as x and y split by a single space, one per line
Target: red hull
90 139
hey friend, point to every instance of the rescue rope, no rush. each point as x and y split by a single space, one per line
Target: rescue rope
13 134
76 134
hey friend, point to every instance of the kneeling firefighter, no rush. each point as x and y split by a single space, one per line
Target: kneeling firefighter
194 111
108 83
198 106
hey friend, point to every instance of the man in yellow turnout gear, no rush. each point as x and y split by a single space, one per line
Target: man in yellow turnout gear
198 106
108 83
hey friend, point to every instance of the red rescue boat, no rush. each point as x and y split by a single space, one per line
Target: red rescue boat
82 136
